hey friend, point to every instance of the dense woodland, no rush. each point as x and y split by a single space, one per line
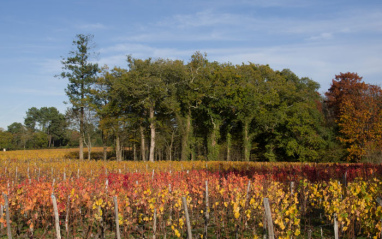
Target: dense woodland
161 109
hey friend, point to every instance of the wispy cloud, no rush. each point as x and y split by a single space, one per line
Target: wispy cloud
275 3
91 26
319 62
350 22
322 36
116 60
212 25
117 55
37 92
200 19
125 47
317 46
181 36
49 66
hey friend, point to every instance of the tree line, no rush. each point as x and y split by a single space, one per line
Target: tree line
43 128
161 109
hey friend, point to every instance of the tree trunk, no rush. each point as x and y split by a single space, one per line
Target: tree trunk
81 139
185 153
143 150
118 150
134 152
50 140
89 147
246 141
213 147
152 133
229 147
104 144
170 146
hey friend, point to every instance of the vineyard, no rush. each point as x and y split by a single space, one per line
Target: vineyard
48 195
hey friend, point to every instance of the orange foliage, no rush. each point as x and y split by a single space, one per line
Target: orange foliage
361 121
142 187
357 107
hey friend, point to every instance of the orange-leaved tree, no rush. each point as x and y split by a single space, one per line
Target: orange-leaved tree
343 85
357 108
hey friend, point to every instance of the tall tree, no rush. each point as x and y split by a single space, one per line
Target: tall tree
112 105
246 104
361 123
343 85
150 90
219 89
100 100
81 73
189 96
173 73
32 118
357 107
300 136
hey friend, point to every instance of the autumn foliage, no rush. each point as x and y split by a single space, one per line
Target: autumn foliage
357 109
85 192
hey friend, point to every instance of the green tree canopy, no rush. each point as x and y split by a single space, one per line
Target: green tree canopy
81 73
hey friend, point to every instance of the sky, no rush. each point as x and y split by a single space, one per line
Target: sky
313 38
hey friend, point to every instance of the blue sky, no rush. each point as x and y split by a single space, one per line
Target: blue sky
313 38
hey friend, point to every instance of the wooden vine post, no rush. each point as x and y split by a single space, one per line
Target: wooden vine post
155 224
169 191
9 233
247 199
67 217
206 214
335 226
118 233
56 218
292 188
268 216
1 216
189 232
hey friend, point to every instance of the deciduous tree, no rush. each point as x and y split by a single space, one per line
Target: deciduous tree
360 122
150 90
5 139
48 120
342 86
357 108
